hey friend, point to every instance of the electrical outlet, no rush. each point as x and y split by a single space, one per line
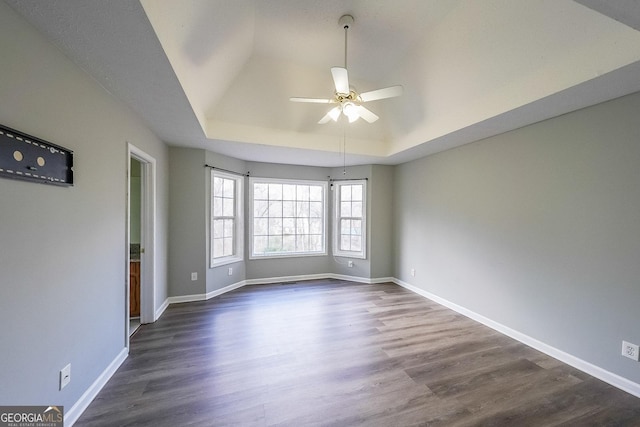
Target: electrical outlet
630 350
65 376
350 264
230 271
413 272
194 276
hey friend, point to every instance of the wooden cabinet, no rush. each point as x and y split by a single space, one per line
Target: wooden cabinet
134 289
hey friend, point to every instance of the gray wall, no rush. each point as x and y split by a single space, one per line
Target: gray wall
381 221
537 229
187 221
63 250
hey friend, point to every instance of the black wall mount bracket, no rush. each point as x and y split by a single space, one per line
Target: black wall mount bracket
28 158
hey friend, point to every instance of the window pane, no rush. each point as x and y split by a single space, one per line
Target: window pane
260 244
315 193
228 189
315 226
224 216
302 243
260 209
289 226
287 217
260 226
228 227
289 243
217 187
260 191
345 226
315 210
315 243
218 228
356 209
356 243
345 243
302 192
356 227
345 193
275 191
227 207
288 192
302 209
350 219
217 206
356 193
275 244
218 248
289 209
345 209
275 209
228 246
275 226
302 226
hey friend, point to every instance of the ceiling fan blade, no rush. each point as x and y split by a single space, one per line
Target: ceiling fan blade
312 100
331 115
387 92
367 115
340 79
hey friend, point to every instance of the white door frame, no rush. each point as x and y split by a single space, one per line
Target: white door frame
147 236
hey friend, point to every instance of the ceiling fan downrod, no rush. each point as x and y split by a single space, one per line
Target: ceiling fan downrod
345 21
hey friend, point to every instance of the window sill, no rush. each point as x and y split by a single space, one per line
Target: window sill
349 255
225 261
297 255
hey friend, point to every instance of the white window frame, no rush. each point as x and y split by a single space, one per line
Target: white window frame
337 234
238 243
325 209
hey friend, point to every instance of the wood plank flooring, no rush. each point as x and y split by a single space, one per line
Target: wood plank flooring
339 353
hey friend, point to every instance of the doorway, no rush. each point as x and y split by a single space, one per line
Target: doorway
140 260
135 221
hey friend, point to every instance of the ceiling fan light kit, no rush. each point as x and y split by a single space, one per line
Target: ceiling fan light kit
349 101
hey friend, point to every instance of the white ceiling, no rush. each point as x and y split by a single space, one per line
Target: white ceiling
217 74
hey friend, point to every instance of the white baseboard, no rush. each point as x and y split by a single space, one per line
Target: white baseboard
362 279
161 309
71 416
591 369
226 289
284 279
187 298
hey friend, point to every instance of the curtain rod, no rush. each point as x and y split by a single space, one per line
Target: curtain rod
348 179
226 170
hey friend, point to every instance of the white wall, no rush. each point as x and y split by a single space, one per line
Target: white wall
537 229
63 250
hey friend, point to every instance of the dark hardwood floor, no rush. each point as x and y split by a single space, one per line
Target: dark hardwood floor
342 354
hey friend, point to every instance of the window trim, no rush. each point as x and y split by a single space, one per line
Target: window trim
238 254
325 210
337 189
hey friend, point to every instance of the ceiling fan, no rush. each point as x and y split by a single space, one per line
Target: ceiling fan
349 101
